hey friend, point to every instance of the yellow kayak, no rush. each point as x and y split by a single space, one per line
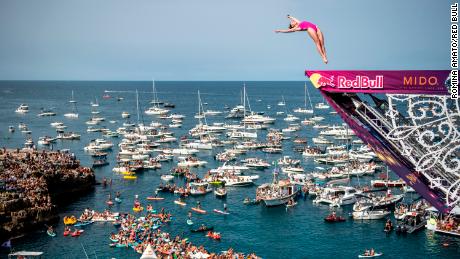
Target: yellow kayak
138 209
127 173
130 177
70 220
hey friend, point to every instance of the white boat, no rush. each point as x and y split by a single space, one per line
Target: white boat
125 115
155 109
313 152
257 118
212 112
167 177
322 105
317 118
237 181
292 169
241 134
95 104
278 192
321 140
304 110
68 136
29 144
198 145
291 117
200 188
370 214
370 256
23 108
282 103
256 163
184 151
287 160
56 124
337 196
98 145
190 162
236 112
74 113
45 113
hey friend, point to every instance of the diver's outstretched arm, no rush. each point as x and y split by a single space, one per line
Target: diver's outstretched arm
287 31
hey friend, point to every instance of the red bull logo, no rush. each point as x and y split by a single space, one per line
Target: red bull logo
360 82
323 81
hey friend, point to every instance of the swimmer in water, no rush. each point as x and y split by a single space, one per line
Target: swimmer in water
312 30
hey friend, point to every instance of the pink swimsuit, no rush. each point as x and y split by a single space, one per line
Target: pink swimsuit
304 25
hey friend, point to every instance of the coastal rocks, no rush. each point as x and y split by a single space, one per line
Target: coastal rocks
34 184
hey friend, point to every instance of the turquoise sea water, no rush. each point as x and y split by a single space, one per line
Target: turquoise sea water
269 232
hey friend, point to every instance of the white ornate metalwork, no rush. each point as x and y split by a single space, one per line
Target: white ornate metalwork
427 130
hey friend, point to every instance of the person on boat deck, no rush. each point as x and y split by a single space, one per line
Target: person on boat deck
366 252
388 193
372 252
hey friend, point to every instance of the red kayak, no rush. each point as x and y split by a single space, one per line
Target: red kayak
331 218
66 233
77 233
155 198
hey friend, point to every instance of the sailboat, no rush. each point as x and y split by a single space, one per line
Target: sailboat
74 113
243 134
322 105
304 109
95 104
155 109
282 103
201 130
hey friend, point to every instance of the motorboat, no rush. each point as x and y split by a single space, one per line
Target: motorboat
23 108
256 163
99 145
190 162
388 183
322 105
68 136
278 192
287 160
412 221
200 188
125 115
370 214
45 113
337 196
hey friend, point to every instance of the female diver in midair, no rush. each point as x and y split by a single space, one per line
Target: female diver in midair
312 30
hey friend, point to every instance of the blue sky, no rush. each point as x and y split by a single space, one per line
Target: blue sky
215 40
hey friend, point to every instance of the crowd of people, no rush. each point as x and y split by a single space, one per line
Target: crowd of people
450 223
138 233
23 174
